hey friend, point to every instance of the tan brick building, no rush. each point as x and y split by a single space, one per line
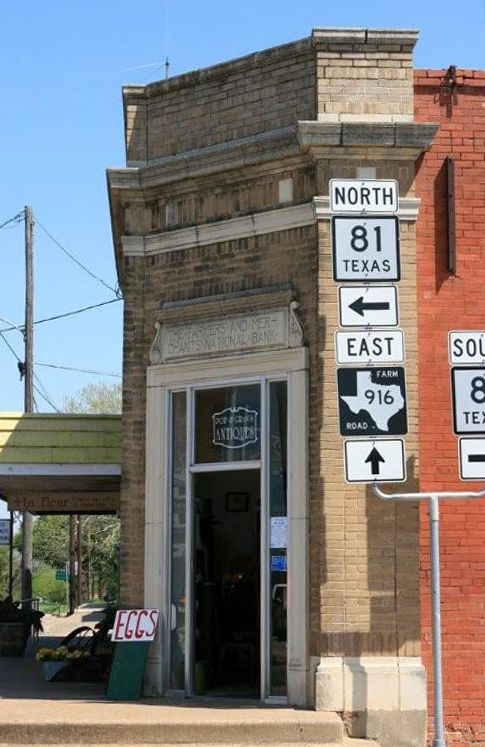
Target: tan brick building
274 575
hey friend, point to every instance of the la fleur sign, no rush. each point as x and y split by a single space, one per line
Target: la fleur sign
75 502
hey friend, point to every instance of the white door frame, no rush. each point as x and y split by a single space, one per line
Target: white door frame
291 364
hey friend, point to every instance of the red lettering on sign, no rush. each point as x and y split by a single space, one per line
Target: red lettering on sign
139 631
154 619
120 623
135 625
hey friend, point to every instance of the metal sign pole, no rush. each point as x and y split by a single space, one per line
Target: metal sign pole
434 548
10 558
434 530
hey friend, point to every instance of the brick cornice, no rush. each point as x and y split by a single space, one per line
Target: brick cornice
234 154
255 224
269 221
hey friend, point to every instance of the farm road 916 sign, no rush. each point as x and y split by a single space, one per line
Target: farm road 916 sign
372 401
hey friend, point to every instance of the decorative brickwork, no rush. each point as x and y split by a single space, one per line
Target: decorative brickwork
448 302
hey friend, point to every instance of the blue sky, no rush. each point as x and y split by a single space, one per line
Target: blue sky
63 63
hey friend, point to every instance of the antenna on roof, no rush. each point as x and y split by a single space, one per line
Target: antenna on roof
167 67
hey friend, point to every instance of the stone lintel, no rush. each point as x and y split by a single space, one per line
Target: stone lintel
320 138
227 303
212 326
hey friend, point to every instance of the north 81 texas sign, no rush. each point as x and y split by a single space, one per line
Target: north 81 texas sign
365 249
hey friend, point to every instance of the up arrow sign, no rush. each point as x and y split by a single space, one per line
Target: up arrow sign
374 458
375 461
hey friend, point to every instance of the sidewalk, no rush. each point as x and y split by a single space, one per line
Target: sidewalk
22 677
33 711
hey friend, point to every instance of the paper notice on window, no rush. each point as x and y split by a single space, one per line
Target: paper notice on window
279 532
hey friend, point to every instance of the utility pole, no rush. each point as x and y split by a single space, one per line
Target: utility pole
28 371
80 596
72 564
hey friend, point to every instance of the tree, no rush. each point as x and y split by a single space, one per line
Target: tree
4 568
100 562
50 540
95 398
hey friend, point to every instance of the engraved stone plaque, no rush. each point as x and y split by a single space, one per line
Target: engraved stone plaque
259 330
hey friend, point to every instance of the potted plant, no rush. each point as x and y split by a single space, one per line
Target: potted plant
55 659
16 624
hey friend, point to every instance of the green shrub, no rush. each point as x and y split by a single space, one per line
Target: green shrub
44 585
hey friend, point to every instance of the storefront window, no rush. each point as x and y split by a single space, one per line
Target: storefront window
278 536
228 424
178 592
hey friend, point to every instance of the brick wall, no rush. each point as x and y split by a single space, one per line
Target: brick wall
264 91
452 302
284 256
364 559
335 75
364 74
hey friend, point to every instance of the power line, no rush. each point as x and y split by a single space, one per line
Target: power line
81 370
44 394
10 347
66 314
77 261
17 218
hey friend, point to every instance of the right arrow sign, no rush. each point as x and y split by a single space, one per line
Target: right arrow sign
472 458
375 461
363 304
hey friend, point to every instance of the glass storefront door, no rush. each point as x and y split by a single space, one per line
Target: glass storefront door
229 528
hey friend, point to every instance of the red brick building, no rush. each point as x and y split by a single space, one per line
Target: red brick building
450 300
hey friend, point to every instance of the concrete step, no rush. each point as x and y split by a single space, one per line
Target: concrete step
175 726
346 743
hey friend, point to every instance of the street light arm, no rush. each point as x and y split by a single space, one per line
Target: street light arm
418 496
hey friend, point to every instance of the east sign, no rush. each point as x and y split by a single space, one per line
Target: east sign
370 346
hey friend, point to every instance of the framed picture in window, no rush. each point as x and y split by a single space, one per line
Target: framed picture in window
237 501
